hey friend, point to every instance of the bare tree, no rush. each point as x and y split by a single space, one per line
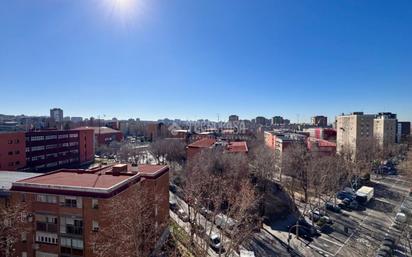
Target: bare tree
127 227
219 182
296 164
13 224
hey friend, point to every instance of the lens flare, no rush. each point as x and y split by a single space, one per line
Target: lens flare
125 12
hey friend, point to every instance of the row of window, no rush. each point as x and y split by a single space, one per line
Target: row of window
15 152
12 164
16 141
50 137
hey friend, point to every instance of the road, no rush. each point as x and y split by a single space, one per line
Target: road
262 243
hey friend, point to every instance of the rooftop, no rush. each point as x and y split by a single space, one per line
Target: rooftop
100 130
203 143
8 177
103 180
237 147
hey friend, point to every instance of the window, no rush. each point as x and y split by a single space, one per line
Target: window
73 135
73 143
10 153
71 243
63 136
51 146
16 141
23 254
95 226
71 201
37 138
95 203
27 149
69 225
46 198
23 236
44 237
10 142
36 158
52 164
50 137
37 148
17 152
52 155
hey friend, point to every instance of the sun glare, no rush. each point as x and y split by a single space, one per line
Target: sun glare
125 11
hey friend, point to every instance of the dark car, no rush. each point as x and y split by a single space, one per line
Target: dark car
173 188
345 195
333 208
304 232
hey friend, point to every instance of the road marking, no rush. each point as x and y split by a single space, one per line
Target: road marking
347 240
330 241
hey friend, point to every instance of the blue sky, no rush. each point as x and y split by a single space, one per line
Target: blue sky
196 59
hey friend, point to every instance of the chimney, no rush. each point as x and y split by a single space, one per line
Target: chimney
119 168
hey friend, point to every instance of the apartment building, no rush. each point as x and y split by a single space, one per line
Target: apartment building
68 208
353 130
12 151
56 114
357 130
320 121
52 149
385 128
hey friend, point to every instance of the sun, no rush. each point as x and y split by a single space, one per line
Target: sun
125 12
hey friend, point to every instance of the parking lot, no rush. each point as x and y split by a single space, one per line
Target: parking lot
360 233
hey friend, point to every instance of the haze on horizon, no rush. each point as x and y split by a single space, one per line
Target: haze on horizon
200 59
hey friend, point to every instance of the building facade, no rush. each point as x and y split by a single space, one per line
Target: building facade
12 151
233 118
52 149
385 128
320 121
353 130
404 130
69 208
56 114
277 120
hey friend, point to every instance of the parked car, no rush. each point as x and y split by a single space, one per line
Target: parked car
183 215
172 188
173 206
206 212
348 204
345 195
332 207
215 242
317 215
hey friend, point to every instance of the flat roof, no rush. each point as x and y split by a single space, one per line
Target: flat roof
203 143
104 180
237 147
8 177
100 130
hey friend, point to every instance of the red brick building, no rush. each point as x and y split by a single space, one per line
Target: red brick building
197 146
321 147
69 207
12 151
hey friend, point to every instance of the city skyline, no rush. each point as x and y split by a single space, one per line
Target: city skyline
154 60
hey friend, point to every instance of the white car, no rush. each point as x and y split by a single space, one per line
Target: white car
215 242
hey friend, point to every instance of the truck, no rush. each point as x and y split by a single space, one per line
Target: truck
364 194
